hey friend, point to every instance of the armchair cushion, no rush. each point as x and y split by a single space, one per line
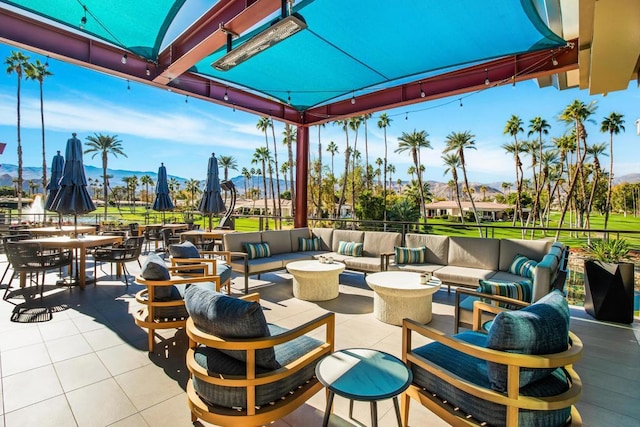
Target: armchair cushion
541 328
522 266
310 244
350 248
184 250
257 250
235 397
410 255
226 317
521 290
154 268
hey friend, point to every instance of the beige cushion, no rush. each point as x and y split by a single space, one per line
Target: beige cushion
345 236
504 276
258 265
378 242
463 275
416 268
325 236
296 233
474 253
364 263
335 255
437 246
233 242
291 257
532 249
279 241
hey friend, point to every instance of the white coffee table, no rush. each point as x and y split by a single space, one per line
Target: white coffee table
399 294
315 281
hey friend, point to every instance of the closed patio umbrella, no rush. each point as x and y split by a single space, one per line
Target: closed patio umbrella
72 196
211 201
163 202
57 167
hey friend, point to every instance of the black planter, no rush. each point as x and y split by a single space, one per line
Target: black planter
609 290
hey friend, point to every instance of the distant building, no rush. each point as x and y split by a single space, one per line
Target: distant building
490 211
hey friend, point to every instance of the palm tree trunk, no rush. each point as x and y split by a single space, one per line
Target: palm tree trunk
466 184
608 204
264 184
319 214
19 157
344 180
572 186
275 159
105 182
384 188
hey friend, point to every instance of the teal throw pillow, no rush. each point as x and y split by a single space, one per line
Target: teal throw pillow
350 248
522 266
257 250
541 328
522 291
226 317
310 244
410 255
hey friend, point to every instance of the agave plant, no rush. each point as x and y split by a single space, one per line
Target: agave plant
611 250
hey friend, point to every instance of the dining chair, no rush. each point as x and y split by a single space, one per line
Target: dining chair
119 254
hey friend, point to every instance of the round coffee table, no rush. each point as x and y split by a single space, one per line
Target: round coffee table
315 281
399 294
364 375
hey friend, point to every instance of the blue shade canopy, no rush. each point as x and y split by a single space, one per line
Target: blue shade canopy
211 201
163 201
73 197
57 167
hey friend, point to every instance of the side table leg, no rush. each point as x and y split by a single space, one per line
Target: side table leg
327 411
397 408
351 409
374 414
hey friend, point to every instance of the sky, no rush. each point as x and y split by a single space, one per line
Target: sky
158 126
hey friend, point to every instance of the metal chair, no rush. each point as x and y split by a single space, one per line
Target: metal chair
168 238
152 234
121 254
5 240
134 229
31 257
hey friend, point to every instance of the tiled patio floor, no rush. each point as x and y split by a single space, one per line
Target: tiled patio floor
88 364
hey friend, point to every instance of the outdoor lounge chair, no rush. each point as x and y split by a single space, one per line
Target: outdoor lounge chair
218 261
519 373
245 372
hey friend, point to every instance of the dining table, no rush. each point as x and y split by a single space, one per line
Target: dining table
65 230
202 235
173 227
79 244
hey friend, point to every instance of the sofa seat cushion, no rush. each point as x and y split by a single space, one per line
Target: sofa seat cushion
474 370
291 257
465 276
416 268
257 265
503 276
217 362
233 318
223 271
336 256
364 263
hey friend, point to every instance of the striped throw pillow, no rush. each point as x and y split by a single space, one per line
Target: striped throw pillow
522 266
410 255
310 244
522 291
350 248
257 250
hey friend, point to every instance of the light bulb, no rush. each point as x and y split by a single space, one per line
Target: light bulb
226 95
554 61
124 59
422 94
147 71
353 100
83 22
486 82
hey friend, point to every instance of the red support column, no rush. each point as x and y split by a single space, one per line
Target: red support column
302 176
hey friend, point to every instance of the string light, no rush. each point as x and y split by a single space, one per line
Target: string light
226 95
124 59
128 85
486 79
288 97
514 81
353 98
186 99
46 63
406 115
83 20
147 71
460 99
422 94
554 61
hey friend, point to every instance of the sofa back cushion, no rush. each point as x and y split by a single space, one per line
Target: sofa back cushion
437 247
541 328
227 317
345 236
296 234
474 252
378 242
532 249
325 235
279 241
234 242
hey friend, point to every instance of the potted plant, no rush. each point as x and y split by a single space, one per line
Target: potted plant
609 281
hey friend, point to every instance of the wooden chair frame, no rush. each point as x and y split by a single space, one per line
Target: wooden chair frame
146 318
252 416
211 262
464 318
511 399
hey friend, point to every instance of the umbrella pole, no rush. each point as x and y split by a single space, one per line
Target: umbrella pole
210 222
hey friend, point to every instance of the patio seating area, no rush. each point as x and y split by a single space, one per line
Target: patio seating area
77 357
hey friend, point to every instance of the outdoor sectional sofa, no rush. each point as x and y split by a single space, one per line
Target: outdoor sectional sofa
284 247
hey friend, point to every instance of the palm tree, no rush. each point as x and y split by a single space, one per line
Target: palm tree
146 180
17 63
383 123
534 149
192 186
289 136
319 213
577 113
347 154
284 168
513 128
613 124
262 156
594 151
539 126
365 118
174 186
104 145
505 187
39 71
457 142
263 124
413 142
391 169
226 163
354 125
333 149
483 190
452 162
379 163
246 174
